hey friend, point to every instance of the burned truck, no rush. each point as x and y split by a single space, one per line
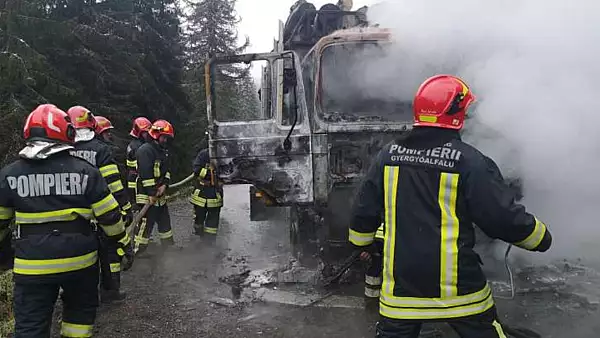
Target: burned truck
321 117
319 124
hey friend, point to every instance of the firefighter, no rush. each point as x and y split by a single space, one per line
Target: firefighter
52 196
139 133
153 180
373 276
100 155
104 129
207 197
432 187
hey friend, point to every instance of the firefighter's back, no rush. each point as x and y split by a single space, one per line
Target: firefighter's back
53 215
432 220
94 151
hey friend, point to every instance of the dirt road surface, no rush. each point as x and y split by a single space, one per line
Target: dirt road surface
184 292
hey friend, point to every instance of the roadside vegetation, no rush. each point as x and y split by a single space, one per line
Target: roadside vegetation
6 316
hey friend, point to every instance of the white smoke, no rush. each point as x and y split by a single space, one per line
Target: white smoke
535 68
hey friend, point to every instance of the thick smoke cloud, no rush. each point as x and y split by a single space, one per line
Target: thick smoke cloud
535 68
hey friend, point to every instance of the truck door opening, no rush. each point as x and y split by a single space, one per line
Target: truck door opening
252 137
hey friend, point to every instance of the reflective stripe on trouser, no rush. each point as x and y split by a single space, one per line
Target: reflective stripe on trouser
34 304
155 215
114 260
206 219
483 325
373 278
380 233
206 197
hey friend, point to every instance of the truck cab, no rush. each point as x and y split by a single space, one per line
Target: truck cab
320 121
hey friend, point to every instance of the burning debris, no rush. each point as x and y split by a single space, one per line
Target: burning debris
567 284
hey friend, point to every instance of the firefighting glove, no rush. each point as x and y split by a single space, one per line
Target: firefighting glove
125 250
367 252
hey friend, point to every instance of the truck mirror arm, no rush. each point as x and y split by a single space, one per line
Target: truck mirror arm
290 80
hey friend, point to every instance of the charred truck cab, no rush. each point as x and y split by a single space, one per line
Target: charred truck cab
321 123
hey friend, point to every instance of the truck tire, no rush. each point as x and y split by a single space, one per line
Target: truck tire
302 232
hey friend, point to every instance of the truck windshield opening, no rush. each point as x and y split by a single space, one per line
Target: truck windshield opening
356 87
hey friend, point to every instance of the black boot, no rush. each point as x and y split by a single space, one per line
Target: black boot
198 230
167 242
113 295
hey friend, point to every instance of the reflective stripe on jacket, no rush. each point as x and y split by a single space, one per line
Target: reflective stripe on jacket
153 171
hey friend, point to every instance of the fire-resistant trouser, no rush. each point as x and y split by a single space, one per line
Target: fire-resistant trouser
484 325
132 194
34 304
206 219
207 203
115 263
373 275
160 216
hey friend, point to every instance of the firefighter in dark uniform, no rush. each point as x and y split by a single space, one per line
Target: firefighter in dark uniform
152 182
432 187
139 133
207 197
52 196
99 154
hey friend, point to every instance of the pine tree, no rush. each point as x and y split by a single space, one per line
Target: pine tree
120 58
211 31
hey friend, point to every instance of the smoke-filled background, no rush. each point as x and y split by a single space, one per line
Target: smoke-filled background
535 68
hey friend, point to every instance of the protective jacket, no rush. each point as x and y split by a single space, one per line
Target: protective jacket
153 171
432 187
132 162
100 155
52 200
207 192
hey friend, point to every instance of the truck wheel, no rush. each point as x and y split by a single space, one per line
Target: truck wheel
301 232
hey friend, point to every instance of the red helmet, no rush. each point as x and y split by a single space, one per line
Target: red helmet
442 101
49 122
82 117
161 127
102 124
140 124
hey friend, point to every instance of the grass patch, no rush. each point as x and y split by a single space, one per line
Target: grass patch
6 313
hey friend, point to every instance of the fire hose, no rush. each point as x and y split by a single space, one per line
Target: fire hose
510 273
